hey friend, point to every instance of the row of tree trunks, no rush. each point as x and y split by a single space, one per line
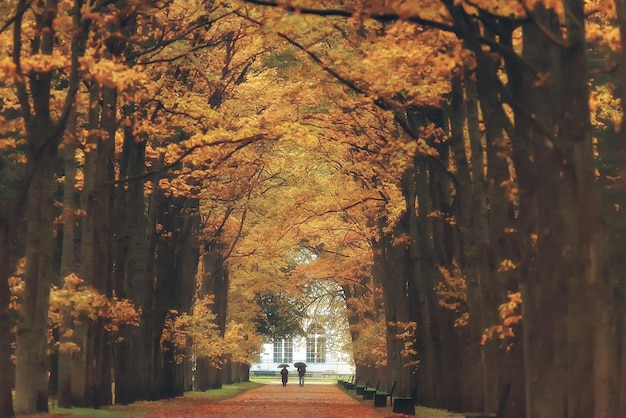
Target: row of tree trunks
177 263
421 281
89 383
235 372
354 296
456 370
214 281
561 239
165 284
136 269
472 242
482 229
207 375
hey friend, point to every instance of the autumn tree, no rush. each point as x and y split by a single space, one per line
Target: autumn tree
524 89
428 167
37 62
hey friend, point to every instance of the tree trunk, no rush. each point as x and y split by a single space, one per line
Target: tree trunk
8 222
423 247
142 289
501 375
177 264
6 365
214 282
131 255
469 217
31 383
575 339
594 279
81 379
103 239
617 226
68 258
391 263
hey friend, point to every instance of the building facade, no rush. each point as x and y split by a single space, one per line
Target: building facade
316 349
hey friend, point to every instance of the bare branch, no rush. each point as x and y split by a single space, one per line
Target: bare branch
21 8
378 16
20 78
240 144
79 39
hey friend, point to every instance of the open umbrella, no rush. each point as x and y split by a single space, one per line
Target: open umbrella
283 365
299 364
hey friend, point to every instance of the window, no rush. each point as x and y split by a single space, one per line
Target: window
316 345
278 351
310 350
320 354
283 350
288 353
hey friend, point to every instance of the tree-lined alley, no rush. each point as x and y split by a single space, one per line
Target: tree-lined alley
447 175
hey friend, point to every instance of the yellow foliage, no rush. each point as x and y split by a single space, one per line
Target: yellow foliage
6 144
405 331
68 347
510 315
507 265
84 303
370 348
452 290
605 108
45 63
199 332
511 190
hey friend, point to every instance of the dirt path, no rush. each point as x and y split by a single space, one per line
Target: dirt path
275 401
272 400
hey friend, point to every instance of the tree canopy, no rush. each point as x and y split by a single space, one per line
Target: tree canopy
182 180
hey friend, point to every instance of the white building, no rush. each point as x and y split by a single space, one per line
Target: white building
320 350
326 345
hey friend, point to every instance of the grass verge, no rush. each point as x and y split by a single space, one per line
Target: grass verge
144 408
420 411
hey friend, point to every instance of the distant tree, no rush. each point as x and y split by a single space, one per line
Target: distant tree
281 316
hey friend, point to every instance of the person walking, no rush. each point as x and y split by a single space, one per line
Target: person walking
284 375
301 373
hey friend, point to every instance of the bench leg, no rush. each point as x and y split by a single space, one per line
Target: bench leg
404 406
380 400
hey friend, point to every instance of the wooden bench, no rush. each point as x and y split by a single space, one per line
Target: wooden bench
53 401
404 405
342 379
349 384
380 397
360 388
264 372
368 393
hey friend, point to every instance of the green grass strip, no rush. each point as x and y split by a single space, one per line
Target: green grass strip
141 409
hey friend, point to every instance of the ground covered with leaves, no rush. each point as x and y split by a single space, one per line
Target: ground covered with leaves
253 399
246 400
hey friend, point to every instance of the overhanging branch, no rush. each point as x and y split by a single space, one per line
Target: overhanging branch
346 13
